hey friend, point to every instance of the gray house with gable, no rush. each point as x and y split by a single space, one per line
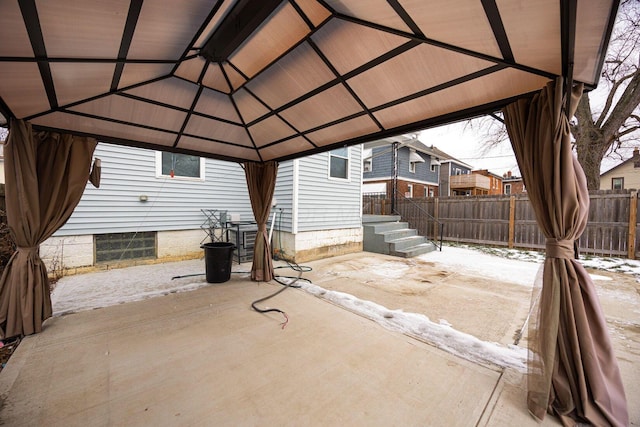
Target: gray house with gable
416 167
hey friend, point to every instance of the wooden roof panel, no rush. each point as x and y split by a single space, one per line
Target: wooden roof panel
310 76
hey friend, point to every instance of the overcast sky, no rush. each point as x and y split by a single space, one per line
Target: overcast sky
467 145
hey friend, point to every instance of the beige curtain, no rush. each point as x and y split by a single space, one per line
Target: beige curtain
261 181
573 372
45 175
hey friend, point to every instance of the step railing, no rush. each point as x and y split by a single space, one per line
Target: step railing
421 220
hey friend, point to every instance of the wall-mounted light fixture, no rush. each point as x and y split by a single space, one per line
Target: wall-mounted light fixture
240 22
143 197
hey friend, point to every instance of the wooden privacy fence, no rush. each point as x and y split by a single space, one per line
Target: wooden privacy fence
510 221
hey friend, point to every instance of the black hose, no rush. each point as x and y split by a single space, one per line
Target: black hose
292 284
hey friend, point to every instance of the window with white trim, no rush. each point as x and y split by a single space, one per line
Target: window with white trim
367 165
177 165
412 167
507 189
409 193
339 163
617 183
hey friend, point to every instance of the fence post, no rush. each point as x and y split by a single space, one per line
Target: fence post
512 221
436 209
633 215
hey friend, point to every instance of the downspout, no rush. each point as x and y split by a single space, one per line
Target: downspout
294 201
394 183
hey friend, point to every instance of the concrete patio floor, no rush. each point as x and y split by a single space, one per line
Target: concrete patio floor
203 357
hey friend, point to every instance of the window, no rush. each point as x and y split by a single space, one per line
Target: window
412 167
339 163
367 165
432 193
507 189
179 165
433 167
409 193
123 246
458 171
617 183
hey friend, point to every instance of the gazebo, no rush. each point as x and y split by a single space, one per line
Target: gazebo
258 82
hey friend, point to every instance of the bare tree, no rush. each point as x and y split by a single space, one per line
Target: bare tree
610 128
607 120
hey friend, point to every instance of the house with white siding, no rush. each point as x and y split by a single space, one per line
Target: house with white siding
625 175
321 201
150 208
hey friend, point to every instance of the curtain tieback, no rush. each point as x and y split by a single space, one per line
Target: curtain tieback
262 228
557 248
30 251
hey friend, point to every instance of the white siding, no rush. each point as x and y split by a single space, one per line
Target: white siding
173 203
325 203
625 170
284 195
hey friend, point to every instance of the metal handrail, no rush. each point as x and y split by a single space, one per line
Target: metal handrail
423 213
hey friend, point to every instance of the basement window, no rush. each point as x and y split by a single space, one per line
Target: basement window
125 246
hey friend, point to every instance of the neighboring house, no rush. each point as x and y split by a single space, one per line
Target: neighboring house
417 165
456 178
513 184
626 175
494 183
141 212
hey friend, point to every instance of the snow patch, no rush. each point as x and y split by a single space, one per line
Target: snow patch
419 326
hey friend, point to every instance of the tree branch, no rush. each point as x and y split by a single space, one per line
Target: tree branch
625 106
627 131
610 96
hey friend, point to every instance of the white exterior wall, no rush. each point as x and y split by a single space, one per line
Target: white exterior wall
320 216
314 239
182 243
311 245
627 171
76 252
61 252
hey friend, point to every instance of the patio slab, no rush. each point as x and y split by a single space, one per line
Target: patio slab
203 357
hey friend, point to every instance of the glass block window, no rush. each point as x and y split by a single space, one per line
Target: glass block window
125 246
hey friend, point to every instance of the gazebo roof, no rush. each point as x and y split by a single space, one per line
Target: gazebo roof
246 80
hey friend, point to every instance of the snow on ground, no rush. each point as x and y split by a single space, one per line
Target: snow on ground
105 288
465 260
611 264
441 334
102 289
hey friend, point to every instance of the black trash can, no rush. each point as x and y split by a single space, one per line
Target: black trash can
218 257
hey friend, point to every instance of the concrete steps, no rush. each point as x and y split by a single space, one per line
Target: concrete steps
385 234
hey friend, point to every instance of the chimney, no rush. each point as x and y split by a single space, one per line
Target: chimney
508 174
